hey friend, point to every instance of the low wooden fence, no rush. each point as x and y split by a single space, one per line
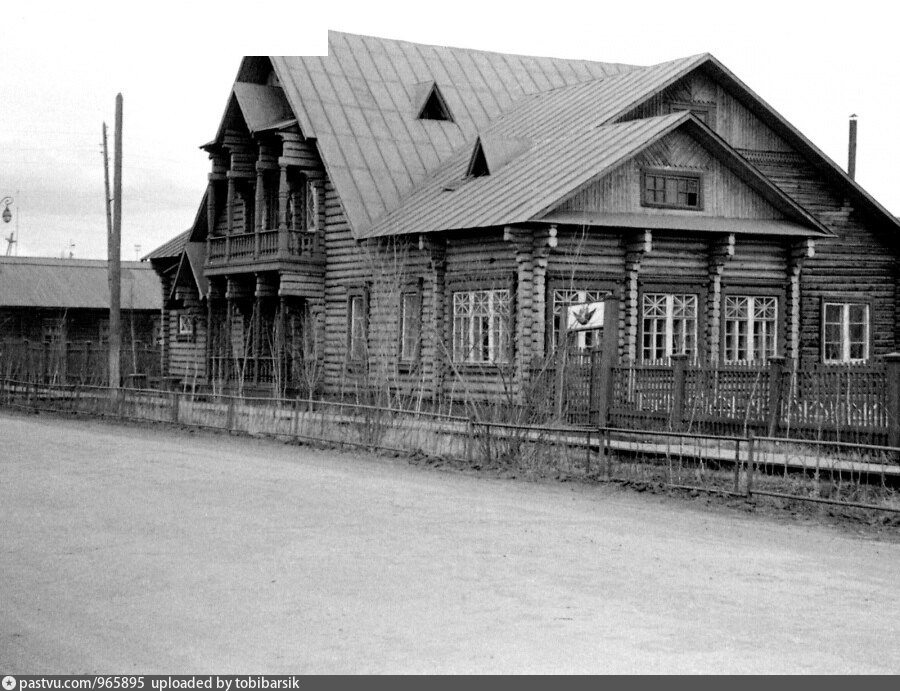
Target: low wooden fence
848 475
81 362
850 403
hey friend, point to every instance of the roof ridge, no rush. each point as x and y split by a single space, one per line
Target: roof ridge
334 32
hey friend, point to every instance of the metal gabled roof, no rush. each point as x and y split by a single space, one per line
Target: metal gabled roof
549 172
169 249
75 284
358 103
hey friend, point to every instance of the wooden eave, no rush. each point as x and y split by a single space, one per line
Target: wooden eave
698 224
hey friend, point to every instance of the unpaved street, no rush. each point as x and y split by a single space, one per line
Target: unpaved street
148 549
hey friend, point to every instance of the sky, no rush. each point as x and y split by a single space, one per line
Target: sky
62 64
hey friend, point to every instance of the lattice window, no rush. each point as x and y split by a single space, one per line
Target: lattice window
481 326
751 328
669 326
845 337
671 190
562 300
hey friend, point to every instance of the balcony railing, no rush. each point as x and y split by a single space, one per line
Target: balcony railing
265 245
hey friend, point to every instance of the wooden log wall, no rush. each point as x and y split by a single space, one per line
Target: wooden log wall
858 265
187 354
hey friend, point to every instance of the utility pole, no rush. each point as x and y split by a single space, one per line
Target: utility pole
114 253
108 198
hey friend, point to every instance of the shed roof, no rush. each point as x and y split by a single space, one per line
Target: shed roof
75 284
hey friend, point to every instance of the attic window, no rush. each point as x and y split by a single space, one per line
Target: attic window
671 190
435 107
478 166
704 112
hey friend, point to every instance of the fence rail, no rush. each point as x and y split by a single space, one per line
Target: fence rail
819 402
843 474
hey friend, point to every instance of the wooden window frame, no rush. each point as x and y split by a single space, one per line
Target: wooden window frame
751 321
505 349
182 334
700 347
357 295
412 292
846 301
673 174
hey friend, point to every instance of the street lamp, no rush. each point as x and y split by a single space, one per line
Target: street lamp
7 214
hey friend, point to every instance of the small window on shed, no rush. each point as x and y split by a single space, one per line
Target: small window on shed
435 107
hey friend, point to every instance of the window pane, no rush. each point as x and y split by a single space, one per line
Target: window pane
357 328
409 326
480 326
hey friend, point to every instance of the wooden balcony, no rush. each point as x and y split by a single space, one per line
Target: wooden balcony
267 247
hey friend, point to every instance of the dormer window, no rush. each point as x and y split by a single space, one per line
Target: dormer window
671 190
435 107
478 166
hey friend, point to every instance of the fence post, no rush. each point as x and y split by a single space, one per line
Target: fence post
229 416
776 392
892 394
175 405
470 439
751 463
64 363
679 368
604 390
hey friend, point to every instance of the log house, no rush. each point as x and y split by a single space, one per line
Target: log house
430 217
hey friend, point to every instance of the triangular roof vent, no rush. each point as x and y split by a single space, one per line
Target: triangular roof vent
478 165
435 107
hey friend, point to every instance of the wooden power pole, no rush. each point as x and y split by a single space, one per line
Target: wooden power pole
108 197
114 253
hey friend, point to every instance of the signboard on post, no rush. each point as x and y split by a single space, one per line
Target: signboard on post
585 316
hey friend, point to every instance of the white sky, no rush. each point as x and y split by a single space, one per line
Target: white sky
61 65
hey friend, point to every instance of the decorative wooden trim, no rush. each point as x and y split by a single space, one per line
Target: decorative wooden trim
637 245
523 241
798 252
720 251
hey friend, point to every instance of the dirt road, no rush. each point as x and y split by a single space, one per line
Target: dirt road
129 549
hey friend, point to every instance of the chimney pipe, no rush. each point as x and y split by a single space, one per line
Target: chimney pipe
851 154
